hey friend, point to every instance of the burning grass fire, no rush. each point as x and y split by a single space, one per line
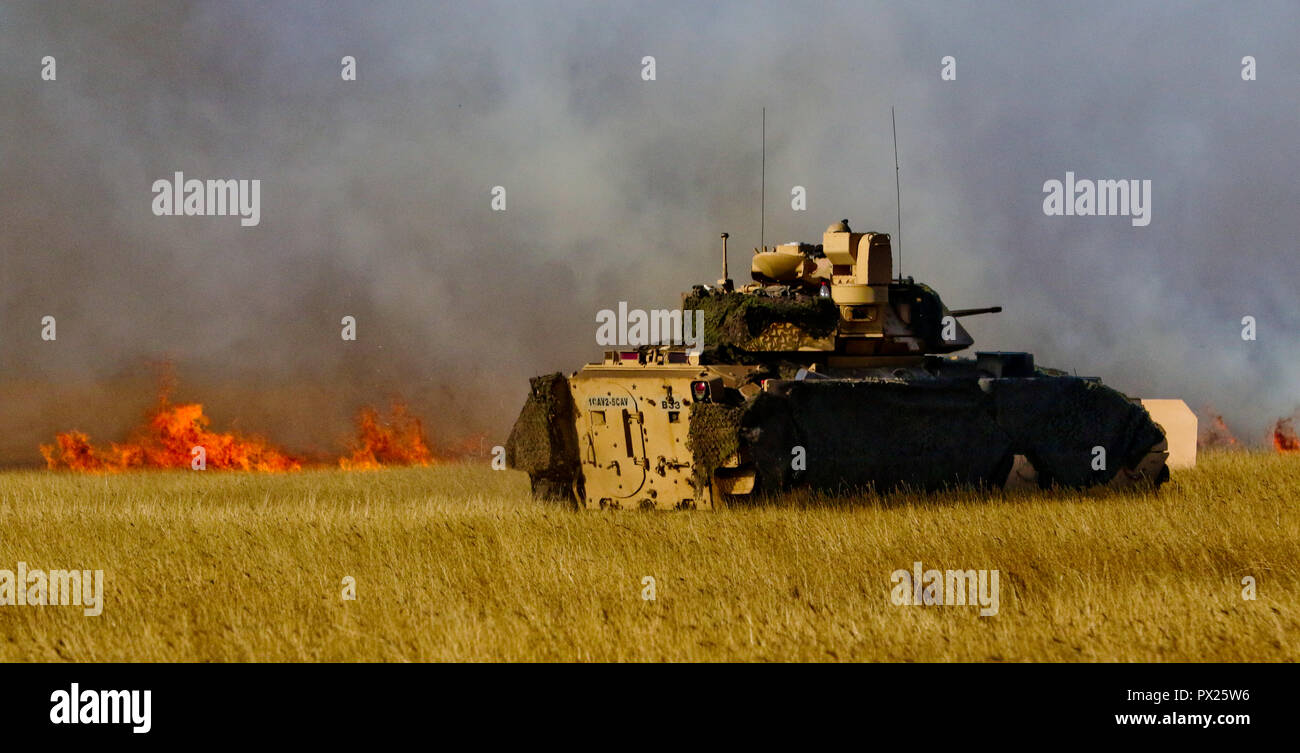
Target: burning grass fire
1284 436
168 440
170 435
1215 434
398 441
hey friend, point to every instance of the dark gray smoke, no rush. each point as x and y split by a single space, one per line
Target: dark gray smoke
375 193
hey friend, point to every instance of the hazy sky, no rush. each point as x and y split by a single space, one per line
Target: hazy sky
375 194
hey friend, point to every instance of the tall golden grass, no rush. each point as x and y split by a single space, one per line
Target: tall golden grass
457 563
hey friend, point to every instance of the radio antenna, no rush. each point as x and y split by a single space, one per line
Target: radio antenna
762 192
898 193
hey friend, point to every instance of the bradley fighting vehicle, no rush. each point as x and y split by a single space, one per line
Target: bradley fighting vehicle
828 372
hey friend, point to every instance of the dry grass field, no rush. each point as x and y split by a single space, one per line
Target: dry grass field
456 563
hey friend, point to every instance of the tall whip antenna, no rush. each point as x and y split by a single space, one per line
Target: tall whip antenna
762 193
898 193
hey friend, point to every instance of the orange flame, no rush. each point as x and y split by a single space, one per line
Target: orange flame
1284 436
168 440
399 440
170 433
1217 434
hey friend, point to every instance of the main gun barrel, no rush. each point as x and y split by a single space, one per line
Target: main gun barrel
973 312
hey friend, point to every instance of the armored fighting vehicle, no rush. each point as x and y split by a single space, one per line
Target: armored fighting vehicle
826 372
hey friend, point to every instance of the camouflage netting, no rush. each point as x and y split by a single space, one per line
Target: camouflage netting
875 431
733 320
930 435
543 441
714 435
1059 421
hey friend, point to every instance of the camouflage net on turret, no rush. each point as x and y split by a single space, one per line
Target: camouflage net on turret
733 321
544 441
